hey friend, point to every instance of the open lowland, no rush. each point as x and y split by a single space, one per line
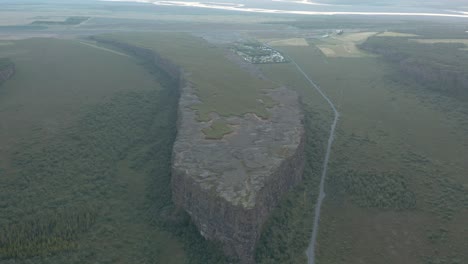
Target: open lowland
434 41
85 161
395 34
343 45
83 154
396 191
70 21
286 42
216 91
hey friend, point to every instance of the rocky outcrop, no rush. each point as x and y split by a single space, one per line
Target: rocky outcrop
230 186
7 70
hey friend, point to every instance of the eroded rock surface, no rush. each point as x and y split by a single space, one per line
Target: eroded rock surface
229 186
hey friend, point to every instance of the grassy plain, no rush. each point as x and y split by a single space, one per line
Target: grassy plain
344 45
395 34
396 191
221 86
286 42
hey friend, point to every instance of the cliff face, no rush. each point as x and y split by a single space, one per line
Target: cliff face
7 70
230 186
149 57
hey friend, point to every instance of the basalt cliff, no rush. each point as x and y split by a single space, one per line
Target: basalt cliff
230 185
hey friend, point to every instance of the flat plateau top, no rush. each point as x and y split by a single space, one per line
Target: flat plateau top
253 124
237 166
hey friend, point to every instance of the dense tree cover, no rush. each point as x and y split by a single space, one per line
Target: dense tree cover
45 232
286 234
70 188
76 169
441 67
377 190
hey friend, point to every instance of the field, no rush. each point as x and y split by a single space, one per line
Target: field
395 34
286 42
85 160
396 191
343 45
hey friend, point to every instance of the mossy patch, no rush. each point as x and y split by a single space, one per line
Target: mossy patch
217 130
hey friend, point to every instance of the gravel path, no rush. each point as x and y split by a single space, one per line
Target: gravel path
313 240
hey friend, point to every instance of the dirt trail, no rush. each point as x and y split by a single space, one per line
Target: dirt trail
102 48
313 240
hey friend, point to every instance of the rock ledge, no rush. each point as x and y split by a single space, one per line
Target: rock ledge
230 186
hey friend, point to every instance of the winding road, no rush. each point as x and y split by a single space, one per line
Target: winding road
313 240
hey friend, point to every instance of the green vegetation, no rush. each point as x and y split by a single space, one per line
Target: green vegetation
343 45
376 190
97 186
45 234
220 84
100 173
286 234
397 167
217 130
440 67
71 21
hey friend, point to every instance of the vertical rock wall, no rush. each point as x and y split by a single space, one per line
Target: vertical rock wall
230 186
236 227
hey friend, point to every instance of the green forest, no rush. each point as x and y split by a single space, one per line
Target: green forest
441 67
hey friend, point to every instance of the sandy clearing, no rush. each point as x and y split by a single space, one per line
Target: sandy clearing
395 34
355 37
327 51
298 42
